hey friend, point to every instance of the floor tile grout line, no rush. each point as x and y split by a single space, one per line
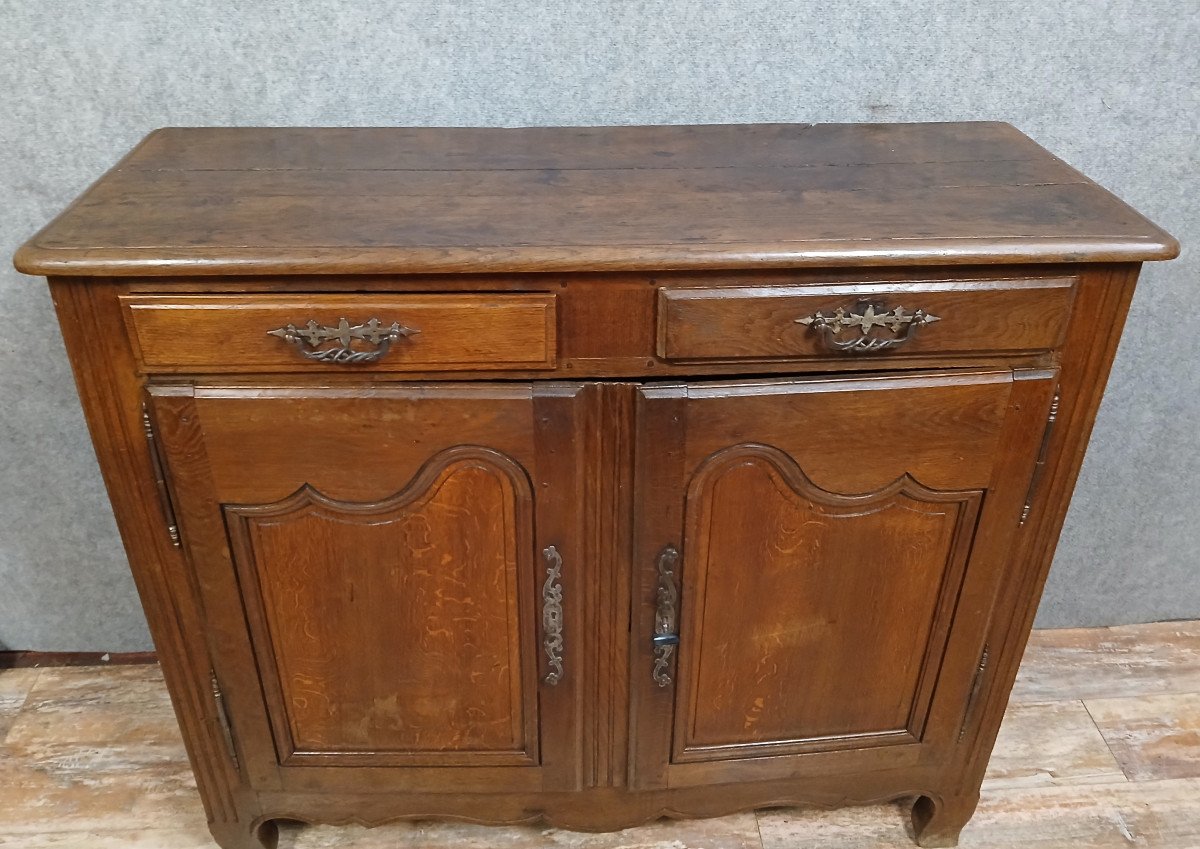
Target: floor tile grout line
1107 744
1152 694
1065 700
21 707
1079 698
758 829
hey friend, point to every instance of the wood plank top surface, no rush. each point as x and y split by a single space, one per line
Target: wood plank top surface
421 200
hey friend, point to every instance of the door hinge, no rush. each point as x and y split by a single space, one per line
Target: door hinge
160 478
223 718
976 686
1040 465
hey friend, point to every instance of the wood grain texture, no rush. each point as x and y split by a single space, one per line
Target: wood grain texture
759 606
722 323
112 397
417 649
221 201
772 588
1101 305
607 490
945 426
597 334
453 332
430 576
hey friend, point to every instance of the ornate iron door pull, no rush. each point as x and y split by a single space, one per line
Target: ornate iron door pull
314 335
865 317
552 614
666 614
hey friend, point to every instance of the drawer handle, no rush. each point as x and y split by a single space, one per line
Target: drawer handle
314 335
666 614
552 614
865 317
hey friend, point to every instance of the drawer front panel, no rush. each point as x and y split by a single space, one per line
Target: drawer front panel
863 319
321 333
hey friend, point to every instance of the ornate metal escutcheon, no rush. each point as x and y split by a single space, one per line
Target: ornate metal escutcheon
552 614
372 332
865 316
665 616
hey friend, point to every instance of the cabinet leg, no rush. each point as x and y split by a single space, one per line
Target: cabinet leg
238 835
937 820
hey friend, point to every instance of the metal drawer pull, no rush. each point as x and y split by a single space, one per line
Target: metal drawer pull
552 614
665 615
865 317
314 335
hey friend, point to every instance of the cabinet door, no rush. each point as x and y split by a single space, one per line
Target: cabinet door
388 576
826 553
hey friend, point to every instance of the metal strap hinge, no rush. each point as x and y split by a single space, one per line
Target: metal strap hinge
1040 465
223 718
976 686
160 478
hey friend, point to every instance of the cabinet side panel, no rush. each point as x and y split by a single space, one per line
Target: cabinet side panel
1101 305
110 392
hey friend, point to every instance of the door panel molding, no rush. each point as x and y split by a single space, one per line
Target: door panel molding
499 729
805 536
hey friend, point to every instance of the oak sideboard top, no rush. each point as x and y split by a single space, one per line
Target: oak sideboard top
389 200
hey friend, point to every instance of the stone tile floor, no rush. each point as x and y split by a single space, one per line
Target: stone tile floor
1100 748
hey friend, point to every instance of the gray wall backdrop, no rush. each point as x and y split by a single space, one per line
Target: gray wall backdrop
1110 86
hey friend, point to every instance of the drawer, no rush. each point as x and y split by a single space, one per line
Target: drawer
216 333
863 319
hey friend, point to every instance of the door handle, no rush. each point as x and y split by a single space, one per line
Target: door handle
863 317
552 615
373 332
666 616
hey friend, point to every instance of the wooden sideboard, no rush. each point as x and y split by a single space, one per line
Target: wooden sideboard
590 475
